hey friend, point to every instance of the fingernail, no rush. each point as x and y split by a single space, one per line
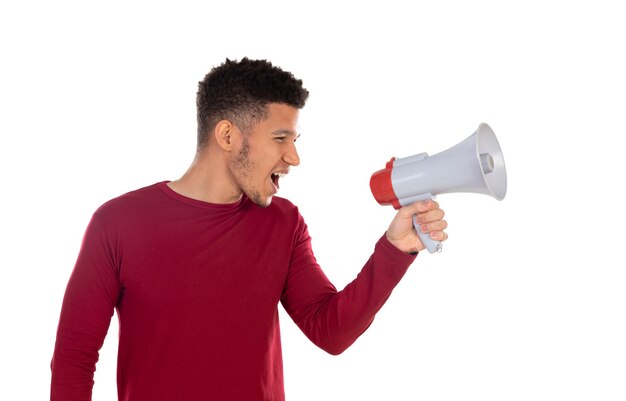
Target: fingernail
424 228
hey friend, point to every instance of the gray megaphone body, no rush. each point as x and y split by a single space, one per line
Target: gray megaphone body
475 165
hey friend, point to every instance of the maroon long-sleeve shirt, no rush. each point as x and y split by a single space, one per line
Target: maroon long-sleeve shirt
196 287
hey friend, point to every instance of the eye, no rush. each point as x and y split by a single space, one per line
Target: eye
280 139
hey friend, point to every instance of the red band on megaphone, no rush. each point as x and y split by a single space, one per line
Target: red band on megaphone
382 187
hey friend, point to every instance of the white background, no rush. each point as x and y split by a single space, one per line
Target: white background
527 301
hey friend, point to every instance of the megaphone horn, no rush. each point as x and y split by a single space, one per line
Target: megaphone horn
475 165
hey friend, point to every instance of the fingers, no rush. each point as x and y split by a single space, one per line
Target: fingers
429 217
418 208
427 205
438 235
438 225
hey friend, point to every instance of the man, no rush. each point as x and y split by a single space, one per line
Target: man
196 267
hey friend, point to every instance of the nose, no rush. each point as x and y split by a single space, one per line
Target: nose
291 156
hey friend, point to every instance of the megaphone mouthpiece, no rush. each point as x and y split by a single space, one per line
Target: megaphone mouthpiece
382 186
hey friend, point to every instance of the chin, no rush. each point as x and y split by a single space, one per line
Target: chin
267 203
260 201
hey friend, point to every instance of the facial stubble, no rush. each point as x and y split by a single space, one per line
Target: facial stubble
244 166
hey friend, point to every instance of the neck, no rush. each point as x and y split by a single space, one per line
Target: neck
207 179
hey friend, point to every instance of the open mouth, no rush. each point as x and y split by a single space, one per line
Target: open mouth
276 178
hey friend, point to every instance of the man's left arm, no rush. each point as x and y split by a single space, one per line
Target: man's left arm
333 319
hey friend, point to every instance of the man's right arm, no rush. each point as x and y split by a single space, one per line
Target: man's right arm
90 298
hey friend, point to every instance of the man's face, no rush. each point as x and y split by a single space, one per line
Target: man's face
264 155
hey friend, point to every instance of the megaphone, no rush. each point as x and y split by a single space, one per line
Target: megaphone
475 165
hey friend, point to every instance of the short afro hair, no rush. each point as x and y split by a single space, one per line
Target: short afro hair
240 91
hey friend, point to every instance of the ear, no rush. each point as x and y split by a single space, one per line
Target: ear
223 132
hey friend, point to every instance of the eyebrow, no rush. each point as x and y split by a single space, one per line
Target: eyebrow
286 132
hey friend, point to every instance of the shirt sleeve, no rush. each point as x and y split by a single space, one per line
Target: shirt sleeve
332 319
88 305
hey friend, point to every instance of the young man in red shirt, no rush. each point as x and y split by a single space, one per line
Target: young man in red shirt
196 267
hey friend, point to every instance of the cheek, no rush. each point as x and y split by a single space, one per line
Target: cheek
242 160
255 164
242 165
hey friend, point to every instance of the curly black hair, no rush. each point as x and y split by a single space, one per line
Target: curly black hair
239 91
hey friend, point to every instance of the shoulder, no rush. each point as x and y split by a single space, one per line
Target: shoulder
131 202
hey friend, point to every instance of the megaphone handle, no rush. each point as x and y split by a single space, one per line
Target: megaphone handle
432 245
